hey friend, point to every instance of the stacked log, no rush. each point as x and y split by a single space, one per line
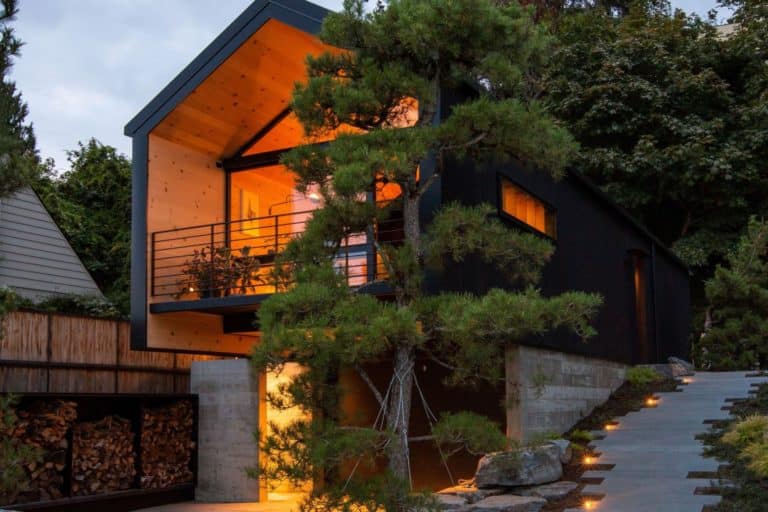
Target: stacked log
167 445
45 425
102 456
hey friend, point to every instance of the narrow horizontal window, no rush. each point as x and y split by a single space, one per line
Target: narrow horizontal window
529 210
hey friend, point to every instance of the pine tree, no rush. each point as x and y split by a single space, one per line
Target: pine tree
738 298
402 55
18 157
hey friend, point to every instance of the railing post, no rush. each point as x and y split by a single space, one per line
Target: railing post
370 254
346 258
212 269
277 248
152 267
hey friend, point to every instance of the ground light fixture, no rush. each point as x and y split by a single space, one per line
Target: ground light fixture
589 504
611 426
651 401
589 460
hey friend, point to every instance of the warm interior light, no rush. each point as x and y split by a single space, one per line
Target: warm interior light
191 289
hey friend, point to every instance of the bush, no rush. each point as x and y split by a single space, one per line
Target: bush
751 429
642 376
582 437
750 437
84 305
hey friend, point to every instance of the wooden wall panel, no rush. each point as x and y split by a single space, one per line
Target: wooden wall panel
82 381
83 340
22 380
25 336
145 382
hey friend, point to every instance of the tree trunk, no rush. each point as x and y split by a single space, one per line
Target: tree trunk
398 418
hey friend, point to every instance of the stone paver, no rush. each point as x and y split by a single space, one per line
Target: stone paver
654 449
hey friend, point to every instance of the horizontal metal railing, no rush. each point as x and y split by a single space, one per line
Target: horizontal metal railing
238 257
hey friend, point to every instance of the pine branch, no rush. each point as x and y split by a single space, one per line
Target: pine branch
367 379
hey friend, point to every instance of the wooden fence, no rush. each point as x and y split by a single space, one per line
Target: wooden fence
53 353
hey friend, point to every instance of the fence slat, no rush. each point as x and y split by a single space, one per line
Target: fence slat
69 354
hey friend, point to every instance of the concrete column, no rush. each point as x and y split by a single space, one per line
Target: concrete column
231 405
514 392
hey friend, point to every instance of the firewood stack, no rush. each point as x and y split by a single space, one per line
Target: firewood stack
102 456
45 425
167 445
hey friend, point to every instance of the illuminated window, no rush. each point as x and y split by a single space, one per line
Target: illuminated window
529 210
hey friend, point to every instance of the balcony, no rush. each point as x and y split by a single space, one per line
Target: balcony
228 267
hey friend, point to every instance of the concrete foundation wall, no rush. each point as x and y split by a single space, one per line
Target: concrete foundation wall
549 391
230 408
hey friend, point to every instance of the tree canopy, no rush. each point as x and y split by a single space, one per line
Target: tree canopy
91 203
397 61
18 156
671 118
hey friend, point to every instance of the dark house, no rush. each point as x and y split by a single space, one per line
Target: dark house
207 184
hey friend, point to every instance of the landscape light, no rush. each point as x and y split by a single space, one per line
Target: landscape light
651 401
611 426
589 460
589 505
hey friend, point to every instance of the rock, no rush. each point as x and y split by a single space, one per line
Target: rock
526 466
449 501
566 452
550 492
509 503
680 367
470 493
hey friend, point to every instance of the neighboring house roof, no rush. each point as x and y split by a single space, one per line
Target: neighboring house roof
36 259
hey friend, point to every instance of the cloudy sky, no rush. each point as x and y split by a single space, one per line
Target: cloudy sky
89 65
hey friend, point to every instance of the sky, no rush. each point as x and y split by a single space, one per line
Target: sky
88 66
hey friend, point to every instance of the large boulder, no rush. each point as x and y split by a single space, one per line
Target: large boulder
509 503
522 467
449 501
680 367
566 452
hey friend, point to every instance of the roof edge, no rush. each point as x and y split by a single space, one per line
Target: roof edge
299 14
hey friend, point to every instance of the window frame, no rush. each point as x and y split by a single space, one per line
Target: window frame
549 209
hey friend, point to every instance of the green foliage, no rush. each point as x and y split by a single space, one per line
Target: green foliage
73 304
642 376
738 296
581 437
18 160
14 454
91 203
227 271
8 302
749 430
671 119
468 431
400 58
459 231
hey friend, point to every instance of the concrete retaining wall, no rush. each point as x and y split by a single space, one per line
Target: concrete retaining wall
230 408
549 391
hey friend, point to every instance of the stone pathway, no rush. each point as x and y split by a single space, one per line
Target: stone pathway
654 449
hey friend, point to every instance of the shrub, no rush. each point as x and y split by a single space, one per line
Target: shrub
757 456
642 376
753 429
581 437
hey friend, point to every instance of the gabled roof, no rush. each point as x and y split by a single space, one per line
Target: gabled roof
298 14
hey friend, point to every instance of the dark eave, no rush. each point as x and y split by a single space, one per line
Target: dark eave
299 14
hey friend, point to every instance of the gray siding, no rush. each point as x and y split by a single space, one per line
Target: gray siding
35 258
